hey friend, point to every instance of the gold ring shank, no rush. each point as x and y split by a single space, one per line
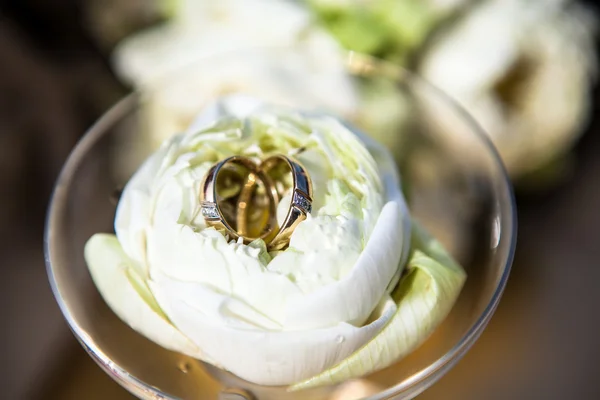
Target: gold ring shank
301 204
212 210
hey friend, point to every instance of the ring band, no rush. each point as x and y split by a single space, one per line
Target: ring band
301 203
212 211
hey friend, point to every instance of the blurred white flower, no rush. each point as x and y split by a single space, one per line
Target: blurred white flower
265 48
523 69
200 28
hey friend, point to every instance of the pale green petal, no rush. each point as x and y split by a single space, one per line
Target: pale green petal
261 247
424 298
128 295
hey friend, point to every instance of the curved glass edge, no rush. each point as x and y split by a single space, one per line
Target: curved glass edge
410 388
132 384
425 378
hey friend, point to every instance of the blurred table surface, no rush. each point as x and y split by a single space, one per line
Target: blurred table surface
541 343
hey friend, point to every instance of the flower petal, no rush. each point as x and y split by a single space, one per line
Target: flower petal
377 264
261 356
128 295
424 298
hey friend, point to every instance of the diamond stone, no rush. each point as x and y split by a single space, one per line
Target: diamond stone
302 202
210 211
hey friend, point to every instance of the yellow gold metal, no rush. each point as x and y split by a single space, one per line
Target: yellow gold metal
300 189
241 211
221 199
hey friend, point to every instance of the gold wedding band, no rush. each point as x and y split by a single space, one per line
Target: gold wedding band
233 210
300 189
222 210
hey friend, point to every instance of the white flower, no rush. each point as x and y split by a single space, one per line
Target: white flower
523 70
329 308
270 320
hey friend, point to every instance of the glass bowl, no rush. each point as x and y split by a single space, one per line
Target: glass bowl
453 178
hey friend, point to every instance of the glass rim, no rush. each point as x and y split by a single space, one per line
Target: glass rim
410 387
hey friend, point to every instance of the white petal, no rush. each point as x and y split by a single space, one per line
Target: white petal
377 264
128 296
133 215
424 298
261 356
230 268
392 184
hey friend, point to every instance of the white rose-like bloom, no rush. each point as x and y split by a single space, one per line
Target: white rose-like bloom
523 70
213 48
271 319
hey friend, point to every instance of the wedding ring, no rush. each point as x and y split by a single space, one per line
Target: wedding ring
276 169
237 184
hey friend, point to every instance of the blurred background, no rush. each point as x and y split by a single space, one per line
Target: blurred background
525 69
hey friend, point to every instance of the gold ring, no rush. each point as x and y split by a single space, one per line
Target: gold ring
274 170
230 186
